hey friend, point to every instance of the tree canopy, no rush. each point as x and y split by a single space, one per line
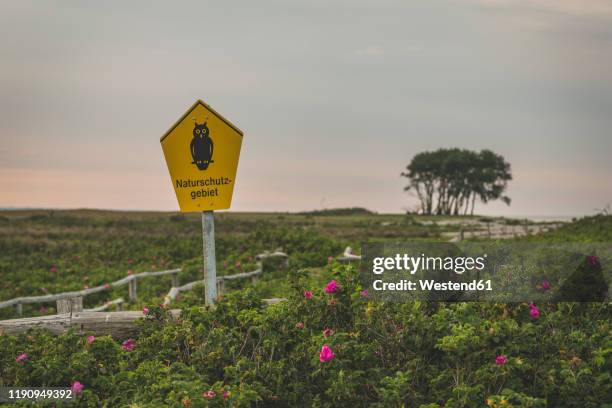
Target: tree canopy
448 181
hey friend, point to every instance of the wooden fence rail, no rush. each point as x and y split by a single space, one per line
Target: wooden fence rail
106 305
128 280
176 290
349 256
132 280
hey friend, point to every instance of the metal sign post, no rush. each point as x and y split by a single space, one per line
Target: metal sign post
210 265
202 150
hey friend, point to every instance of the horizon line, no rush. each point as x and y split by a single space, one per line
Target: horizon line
25 208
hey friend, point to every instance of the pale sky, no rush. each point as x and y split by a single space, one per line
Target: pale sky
334 98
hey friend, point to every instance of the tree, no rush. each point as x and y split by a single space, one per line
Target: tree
448 181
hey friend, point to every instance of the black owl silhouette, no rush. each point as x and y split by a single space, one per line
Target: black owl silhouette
201 146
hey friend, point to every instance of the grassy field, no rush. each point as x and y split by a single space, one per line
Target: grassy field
51 251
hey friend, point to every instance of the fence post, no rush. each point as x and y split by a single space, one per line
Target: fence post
19 309
220 286
132 289
69 305
175 280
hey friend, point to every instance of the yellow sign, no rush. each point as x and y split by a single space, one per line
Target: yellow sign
202 151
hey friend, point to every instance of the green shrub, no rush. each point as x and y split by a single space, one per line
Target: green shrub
386 354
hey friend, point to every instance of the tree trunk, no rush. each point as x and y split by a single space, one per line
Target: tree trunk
473 203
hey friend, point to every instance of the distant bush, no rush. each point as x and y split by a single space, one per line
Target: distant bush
177 218
339 211
515 221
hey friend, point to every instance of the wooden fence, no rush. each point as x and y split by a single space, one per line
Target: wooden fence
221 280
349 256
132 282
71 314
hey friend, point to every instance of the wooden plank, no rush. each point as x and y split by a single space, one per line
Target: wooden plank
116 324
119 325
133 290
273 301
242 275
275 254
349 256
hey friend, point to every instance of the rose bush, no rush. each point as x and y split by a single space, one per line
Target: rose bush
349 352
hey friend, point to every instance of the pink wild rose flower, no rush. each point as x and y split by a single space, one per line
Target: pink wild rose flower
332 287
226 394
22 357
77 387
308 294
326 354
91 339
364 293
327 332
145 310
129 345
299 325
53 269
501 359
209 394
593 260
545 284
534 312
